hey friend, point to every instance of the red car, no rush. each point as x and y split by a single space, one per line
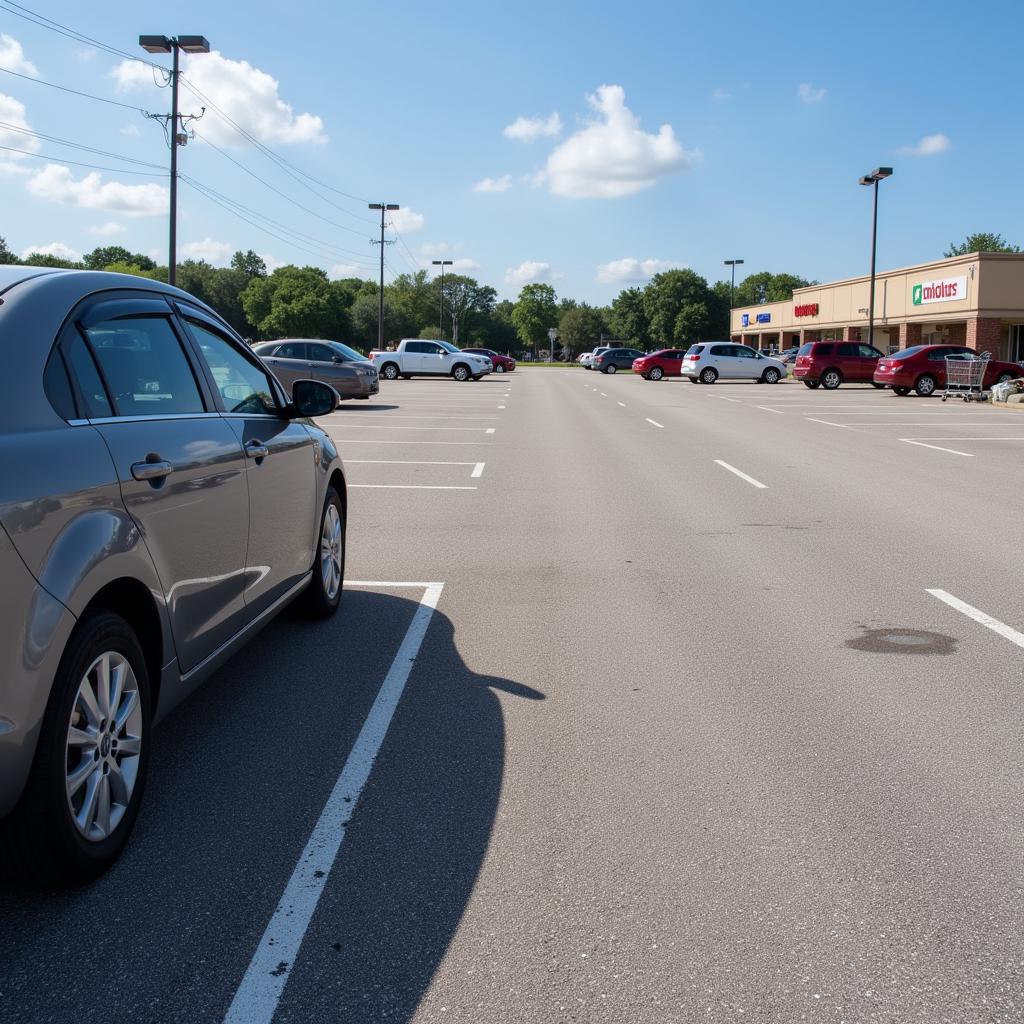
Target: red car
923 369
502 364
831 363
667 362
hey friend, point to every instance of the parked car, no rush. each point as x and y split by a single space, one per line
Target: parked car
421 357
501 364
349 372
923 369
161 499
788 355
610 360
710 360
587 359
831 363
666 362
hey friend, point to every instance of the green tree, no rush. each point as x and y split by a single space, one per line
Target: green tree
579 329
981 241
249 263
102 257
693 323
363 318
125 267
628 318
464 299
535 311
412 299
6 256
666 297
296 302
764 286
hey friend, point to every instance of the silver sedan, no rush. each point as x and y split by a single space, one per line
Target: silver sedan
161 499
349 372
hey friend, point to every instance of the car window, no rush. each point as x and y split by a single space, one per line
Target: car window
91 393
347 353
57 386
695 350
941 353
745 353
824 350
291 350
720 350
805 350
320 353
867 352
243 386
848 350
144 366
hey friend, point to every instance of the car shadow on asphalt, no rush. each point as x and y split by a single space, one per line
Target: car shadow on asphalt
238 778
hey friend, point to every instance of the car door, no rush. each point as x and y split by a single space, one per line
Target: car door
180 466
327 365
435 359
867 357
747 363
289 362
281 458
720 357
412 357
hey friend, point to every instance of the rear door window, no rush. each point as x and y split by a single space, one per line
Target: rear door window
144 366
291 350
849 350
805 350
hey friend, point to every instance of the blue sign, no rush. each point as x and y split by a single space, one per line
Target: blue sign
764 318
746 319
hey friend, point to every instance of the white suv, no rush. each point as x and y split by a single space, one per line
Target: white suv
707 362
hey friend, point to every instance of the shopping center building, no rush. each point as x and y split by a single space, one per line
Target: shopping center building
975 300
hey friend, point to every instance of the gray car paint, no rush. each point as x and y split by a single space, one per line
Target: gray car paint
66 529
351 379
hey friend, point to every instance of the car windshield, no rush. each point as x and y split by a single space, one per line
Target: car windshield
448 346
907 352
348 354
695 350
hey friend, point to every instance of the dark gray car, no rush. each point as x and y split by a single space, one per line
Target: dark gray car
349 372
160 499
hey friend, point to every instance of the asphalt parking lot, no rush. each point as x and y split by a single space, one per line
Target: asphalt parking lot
647 702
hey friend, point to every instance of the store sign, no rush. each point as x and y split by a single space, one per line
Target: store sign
746 319
761 318
764 318
808 309
949 289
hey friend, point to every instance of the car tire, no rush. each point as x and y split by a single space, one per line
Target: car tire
881 387
693 380
656 373
708 375
477 376
902 392
1004 377
389 371
323 594
831 379
40 842
611 368
406 376
812 384
925 385
771 376
460 372
499 368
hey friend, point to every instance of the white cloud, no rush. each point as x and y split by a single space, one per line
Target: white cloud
208 249
528 272
459 266
59 249
930 145
131 130
247 95
612 156
13 113
86 54
721 94
529 129
56 183
809 94
405 220
340 270
12 57
107 230
630 270
432 249
502 184
272 263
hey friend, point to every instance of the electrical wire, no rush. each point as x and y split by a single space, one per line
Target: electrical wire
76 145
79 163
74 92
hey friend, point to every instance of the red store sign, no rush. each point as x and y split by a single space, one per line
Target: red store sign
810 309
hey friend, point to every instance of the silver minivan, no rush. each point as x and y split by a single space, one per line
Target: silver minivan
161 498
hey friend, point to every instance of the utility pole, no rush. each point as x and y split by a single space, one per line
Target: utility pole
174 46
440 302
732 289
383 207
872 180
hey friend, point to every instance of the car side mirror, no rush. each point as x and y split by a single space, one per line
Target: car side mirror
337 359
313 398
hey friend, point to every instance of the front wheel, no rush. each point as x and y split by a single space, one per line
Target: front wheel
656 373
87 778
925 385
708 375
461 373
771 375
323 595
610 368
389 371
1004 377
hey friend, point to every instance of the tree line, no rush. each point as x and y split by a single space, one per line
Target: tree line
675 308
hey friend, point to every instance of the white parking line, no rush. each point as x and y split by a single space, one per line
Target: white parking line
478 471
489 430
408 487
778 412
829 423
979 616
603 395
623 404
742 475
921 444
262 986
655 422
501 407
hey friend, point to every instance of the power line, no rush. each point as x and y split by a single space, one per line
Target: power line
78 163
76 145
398 235
74 92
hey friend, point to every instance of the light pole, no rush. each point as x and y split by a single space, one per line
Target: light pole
383 207
440 300
174 45
873 179
732 289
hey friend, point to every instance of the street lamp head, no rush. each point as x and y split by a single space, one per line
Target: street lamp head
193 44
732 263
155 44
441 263
393 206
881 172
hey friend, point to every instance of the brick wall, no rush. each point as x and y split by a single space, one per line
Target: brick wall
984 334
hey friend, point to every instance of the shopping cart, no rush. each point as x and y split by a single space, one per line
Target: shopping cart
965 377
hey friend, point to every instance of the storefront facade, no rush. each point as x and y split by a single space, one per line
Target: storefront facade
975 300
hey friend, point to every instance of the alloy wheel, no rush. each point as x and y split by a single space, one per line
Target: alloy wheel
104 745
330 552
656 373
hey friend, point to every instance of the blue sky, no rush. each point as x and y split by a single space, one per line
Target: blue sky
773 112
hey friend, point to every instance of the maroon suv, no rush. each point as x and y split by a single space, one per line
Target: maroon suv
830 363
923 369
502 364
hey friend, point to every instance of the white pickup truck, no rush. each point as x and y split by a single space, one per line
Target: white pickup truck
420 357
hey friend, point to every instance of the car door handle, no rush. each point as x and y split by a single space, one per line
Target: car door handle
151 470
257 450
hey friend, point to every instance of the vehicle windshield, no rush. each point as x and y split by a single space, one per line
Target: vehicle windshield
448 346
695 350
348 354
905 353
